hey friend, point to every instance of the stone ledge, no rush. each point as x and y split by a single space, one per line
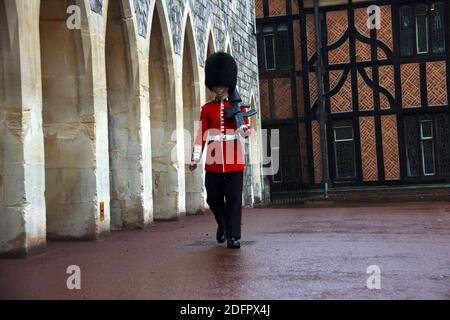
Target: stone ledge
363 196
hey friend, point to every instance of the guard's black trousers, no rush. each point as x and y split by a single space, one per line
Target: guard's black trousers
228 213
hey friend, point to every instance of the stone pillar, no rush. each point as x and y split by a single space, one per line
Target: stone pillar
191 99
129 208
75 123
22 183
167 198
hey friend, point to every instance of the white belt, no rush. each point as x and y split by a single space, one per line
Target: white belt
223 137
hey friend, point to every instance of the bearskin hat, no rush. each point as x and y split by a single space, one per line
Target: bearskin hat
220 70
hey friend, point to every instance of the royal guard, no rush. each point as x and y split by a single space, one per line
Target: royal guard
219 131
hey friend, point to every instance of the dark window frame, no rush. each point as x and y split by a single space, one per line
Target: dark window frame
426 139
277 49
413 6
415 146
340 125
273 37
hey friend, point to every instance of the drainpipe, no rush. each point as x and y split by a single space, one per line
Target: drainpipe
323 117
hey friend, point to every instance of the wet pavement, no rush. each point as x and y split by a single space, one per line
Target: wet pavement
292 253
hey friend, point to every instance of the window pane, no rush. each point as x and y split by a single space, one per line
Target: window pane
283 47
344 150
406 31
343 133
426 128
428 157
437 25
282 27
259 50
412 146
421 29
290 155
443 144
426 131
269 51
345 159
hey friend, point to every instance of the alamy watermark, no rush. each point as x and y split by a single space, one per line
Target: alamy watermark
374 280
73 22
374 17
74 280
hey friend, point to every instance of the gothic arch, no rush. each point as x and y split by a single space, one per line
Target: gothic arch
195 199
209 49
188 32
13 236
210 41
68 124
227 45
163 118
122 79
162 13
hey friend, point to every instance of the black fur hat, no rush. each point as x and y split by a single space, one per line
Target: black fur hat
220 70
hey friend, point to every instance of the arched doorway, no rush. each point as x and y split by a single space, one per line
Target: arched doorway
4 44
68 125
22 183
162 122
191 113
210 50
13 196
123 122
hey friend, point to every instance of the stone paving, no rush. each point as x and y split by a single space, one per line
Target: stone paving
287 253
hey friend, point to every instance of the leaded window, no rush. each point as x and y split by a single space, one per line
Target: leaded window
412 147
273 47
443 144
289 160
437 27
344 150
259 48
427 145
269 47
422 28
283 45
406 31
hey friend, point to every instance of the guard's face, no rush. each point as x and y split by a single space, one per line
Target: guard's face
220 91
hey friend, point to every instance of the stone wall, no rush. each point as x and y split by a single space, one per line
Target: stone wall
92 135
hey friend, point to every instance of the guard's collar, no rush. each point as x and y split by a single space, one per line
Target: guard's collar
220 100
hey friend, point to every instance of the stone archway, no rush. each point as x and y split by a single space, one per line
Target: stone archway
4 48
162 122
191 113
68 125
228 45
210 50
22 183
127 207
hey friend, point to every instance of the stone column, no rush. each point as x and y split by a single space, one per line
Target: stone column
22 181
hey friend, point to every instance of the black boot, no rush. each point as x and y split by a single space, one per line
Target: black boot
220 235
233 243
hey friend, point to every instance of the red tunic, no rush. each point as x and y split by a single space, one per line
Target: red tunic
221 156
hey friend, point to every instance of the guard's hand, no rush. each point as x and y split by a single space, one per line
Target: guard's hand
193 166
244 130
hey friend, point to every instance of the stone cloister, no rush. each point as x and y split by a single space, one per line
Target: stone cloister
97 121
